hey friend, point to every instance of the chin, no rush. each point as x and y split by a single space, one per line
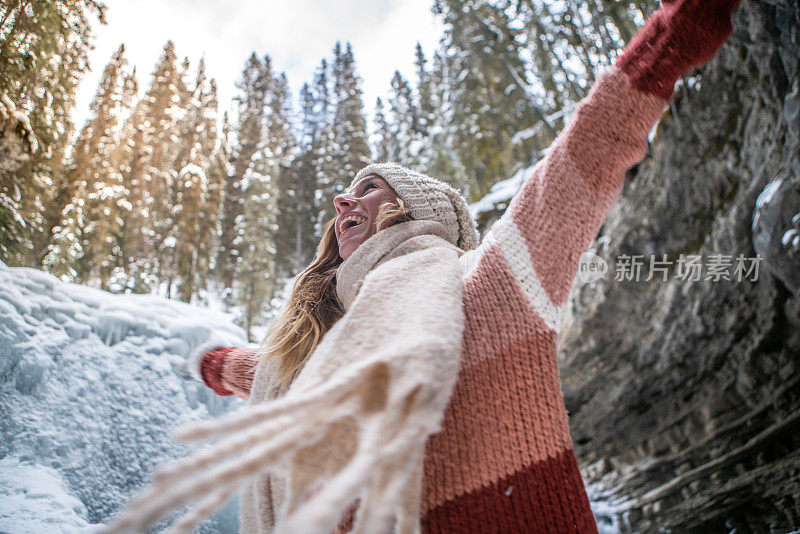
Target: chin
346 251
351 245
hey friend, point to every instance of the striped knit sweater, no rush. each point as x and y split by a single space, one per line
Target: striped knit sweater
504 460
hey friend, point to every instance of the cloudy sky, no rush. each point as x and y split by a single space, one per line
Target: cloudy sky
296 34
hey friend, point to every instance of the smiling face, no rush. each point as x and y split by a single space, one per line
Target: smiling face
357 212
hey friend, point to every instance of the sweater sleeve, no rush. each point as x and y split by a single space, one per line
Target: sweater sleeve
561 205
229 370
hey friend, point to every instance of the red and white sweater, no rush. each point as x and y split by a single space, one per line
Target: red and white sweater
504 460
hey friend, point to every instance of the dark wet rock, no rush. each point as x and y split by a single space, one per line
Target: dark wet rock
684 395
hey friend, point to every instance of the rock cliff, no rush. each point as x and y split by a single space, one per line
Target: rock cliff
684 394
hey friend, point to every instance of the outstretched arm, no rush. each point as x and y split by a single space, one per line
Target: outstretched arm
226 370
558 211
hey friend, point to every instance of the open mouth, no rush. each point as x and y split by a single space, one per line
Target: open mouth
350 221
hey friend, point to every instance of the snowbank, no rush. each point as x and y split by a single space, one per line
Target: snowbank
34 499
89 393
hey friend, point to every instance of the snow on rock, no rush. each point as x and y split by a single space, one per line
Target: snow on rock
501 193
90 389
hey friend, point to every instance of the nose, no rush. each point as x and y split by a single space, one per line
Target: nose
342 202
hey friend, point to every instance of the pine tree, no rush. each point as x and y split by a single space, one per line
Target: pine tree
339 138
404 138
569 42
254 280
252 105
270 210
166 109
138 234
425 111
443 159
383 136
425 105
152 141
328 177
305 176
43 52
484 96
126 151
89 239
508 73
294 195
196 204
194 225
219 172
349 124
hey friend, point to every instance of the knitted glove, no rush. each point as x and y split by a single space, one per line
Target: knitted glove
205 364
211 366
681 35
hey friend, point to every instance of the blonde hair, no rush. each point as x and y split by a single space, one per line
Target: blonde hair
313 307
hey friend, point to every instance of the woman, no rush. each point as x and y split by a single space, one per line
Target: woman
408 285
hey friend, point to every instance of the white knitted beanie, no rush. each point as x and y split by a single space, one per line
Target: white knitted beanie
428 199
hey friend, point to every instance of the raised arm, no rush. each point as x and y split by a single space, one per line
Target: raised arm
558 211
226 370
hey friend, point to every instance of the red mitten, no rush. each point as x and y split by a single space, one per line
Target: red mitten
211 365
681 35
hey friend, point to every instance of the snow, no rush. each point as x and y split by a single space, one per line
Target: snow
791 238
8 108
90 387
501 192
564 113
765 198
192 169
34 499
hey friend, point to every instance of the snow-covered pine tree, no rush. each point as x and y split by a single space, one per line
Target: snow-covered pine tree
219 172
350 147
43 53
566 43
508 73
486 90
382 135
404 139
298 224
444 162
167 100
323 148
339 130
294 185
254 282
252 105
88 243
425 110
137 234
151 174
192 230
121 279
268 198
196 209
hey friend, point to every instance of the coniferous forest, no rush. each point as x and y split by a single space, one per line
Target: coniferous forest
160 191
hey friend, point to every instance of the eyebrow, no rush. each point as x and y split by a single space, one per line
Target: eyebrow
363 183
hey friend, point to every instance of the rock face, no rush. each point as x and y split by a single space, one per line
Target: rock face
684 395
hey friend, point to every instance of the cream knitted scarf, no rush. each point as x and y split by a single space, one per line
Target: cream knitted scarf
354 423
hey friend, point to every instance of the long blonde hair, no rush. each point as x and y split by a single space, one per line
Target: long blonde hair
313 307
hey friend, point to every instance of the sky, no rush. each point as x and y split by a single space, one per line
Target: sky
296 34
